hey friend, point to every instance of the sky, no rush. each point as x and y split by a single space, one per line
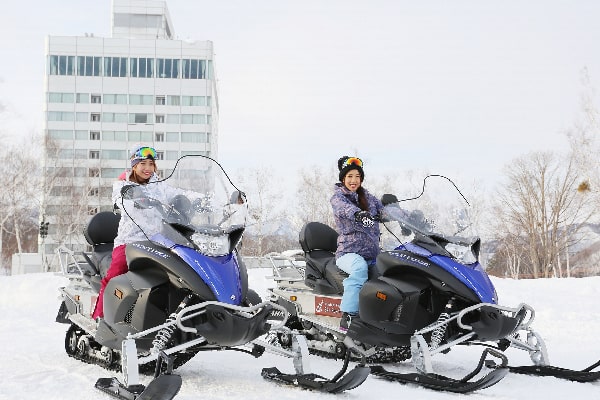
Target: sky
34 364
459 88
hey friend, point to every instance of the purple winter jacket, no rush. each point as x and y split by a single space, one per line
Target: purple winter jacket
353 236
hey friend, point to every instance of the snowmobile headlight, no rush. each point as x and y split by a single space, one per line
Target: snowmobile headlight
211 245
462 253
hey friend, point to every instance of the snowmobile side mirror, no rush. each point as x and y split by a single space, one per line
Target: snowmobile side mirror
388 198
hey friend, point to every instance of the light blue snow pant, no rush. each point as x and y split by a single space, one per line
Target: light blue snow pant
358 270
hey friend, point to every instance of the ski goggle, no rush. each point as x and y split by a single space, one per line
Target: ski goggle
352 161
144 153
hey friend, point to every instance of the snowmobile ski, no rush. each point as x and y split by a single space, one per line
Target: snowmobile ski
351 380
116 389
165 387
447 384
440 382
584 375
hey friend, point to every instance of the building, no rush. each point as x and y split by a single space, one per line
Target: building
104 96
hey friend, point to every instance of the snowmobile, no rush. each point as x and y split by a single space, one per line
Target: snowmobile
186 289
424 296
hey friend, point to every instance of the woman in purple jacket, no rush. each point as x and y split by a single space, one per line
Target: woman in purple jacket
354 211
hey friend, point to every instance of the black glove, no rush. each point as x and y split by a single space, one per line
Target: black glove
127 191
388 198
364 218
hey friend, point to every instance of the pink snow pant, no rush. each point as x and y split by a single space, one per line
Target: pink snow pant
118 266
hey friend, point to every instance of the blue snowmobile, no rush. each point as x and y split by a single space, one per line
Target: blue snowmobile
424 297
186 289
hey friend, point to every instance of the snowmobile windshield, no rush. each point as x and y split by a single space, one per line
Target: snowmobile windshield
196 199
439 214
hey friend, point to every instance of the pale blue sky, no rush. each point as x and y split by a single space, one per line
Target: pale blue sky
454 87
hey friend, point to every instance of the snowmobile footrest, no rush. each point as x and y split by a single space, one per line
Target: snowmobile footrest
116 389
351 380
584 375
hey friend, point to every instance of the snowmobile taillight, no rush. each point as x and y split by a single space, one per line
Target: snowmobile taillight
381 296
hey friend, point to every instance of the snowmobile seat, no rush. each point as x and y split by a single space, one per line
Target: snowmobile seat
100 233
319 243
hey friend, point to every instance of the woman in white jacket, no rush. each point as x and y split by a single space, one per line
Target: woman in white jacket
143 171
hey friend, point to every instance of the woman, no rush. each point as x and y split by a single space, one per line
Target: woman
143 171
354 209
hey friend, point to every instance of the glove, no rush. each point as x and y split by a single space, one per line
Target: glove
127 191
364 218
388 199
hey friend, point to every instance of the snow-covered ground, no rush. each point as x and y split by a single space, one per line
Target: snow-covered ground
33 363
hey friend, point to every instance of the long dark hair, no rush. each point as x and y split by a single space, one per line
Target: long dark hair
363 203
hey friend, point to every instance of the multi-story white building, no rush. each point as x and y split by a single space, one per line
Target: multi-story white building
105 95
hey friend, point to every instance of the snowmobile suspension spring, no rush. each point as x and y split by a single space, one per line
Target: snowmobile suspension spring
438 333
164 335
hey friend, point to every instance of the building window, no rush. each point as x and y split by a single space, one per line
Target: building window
94 154
82 98
140 99
160 100
159 137
115 99
115 66
93 192
140 118
94 135
160 119
193 69
92 210
62 65
194 137
160 155
94 172
141 67
167 67
88 66
96 99
95 117
173 100
61 97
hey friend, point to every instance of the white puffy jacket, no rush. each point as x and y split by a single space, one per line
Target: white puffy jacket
149 220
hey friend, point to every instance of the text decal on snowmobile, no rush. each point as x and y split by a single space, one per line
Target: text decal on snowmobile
151 250
411 259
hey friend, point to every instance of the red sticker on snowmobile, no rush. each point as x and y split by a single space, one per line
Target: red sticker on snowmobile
328 306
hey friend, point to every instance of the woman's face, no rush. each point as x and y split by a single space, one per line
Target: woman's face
145 168
352 180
